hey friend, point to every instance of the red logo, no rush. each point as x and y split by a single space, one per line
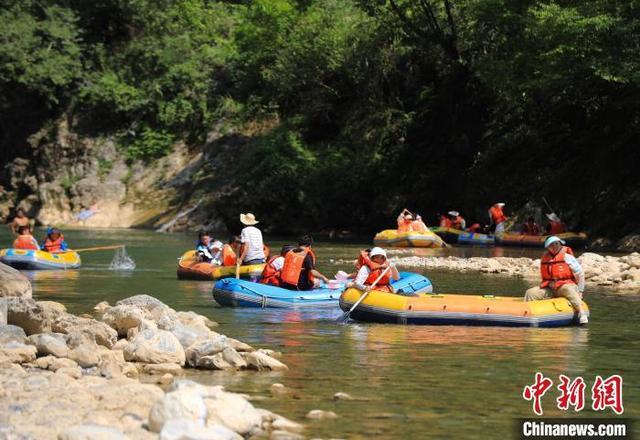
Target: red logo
607 394
535 391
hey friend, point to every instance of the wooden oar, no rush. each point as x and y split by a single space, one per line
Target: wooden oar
99 248
345 317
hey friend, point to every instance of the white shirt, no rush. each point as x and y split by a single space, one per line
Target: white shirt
574 264
361 277
278 263
252 238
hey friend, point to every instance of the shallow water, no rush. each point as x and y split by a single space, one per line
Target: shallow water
408 381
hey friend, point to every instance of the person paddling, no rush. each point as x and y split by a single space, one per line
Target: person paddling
54 241
19 220
530 227
372 266
229 251
299 269
25 240
404 220
251 239
497 217
555 225
562 276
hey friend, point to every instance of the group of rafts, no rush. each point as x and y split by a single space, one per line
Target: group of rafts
411 300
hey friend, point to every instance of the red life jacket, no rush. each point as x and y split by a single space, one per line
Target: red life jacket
270 275
53 245
25 242
364 259
292 267
556 228
497 216
555 272
445 222
228 255
474 228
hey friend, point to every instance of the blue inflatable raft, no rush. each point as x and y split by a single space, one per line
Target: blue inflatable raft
242 293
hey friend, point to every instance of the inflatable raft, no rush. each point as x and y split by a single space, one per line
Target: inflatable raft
573 239
433 309
457 236
27 259
189 268
241 293
393 238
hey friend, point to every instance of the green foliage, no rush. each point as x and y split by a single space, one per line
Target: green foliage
147 144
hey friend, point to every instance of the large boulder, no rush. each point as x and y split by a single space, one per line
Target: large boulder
50 344
13 284
145 302
155 347
12 333
34 317
91 329
233 411
207 347
187 429
182 403
123 317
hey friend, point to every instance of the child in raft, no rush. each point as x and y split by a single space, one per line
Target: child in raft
371 267
25 240
273 268
54 241
208 251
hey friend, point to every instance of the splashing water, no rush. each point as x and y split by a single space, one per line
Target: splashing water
122 261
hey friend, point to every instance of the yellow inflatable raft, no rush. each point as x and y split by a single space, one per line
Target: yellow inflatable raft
434 309
28 259
393 238
189 268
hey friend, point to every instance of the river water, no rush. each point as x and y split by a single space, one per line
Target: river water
407 381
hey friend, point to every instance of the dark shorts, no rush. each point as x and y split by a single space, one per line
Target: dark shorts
256 261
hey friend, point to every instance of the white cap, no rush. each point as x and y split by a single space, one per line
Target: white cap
553 217
500 204
216 245
454 213
377 251
553 239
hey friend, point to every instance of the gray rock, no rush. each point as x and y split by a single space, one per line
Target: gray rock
93 330
213 362
12 333
183 403
91 432
257 360
233 358
187 429
155 347
124 317
86 355
13 284
50 344
233 411
187 335
145 302
203 348
33 317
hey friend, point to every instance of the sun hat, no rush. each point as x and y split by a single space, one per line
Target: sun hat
454 213
553 239
216 245
378 251
248 219
553 217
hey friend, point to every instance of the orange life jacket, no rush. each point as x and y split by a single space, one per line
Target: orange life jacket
556 228
457 222
474 228
383 284
228 255
292 267
53 245
365 259
445 222
25 242
555 271
270 275
497 216
528 229
418 226
404 225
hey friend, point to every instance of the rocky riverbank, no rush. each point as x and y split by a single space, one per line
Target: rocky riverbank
621 273
97 376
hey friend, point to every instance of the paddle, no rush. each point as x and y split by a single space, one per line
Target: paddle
91 249
345 317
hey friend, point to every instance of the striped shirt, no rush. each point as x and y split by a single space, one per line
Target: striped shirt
252 238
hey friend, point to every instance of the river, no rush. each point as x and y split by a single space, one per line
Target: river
408 381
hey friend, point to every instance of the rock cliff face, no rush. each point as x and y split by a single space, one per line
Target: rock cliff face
66 174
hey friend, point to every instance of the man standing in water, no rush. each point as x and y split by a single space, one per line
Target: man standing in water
497 217
20 219
251 238
562 276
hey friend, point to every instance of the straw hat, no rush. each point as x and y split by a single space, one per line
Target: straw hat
248 219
